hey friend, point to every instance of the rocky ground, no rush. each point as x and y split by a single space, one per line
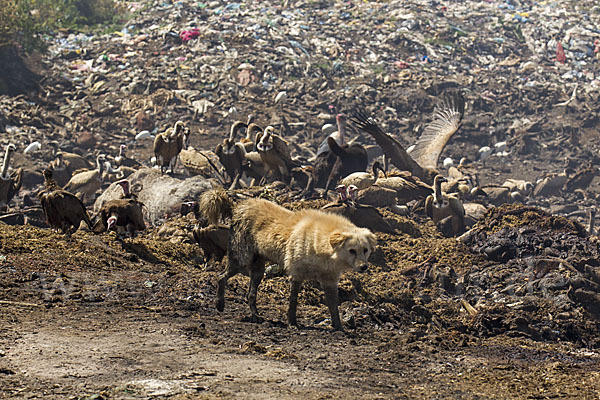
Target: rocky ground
512 310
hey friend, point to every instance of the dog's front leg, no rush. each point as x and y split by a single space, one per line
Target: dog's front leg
331 298
294 289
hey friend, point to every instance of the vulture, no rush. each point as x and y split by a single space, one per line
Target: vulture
9 184
407 186
422 161
122 215
168 145
447 117
377 196
275 155
361 215
249 141
123 161
253 166
519 185
337 135
581 179
363 180
86 183
73 161
230 153
552 184
127 193
60 171
326 158
349 159
63 210
440 206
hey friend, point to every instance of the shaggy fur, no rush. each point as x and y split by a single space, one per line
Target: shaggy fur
309 244
215 205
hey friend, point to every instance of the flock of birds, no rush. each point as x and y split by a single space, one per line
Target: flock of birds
252 155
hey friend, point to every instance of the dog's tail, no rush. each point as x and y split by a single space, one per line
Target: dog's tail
216 205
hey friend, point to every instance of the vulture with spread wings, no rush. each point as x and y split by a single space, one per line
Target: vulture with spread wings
422 161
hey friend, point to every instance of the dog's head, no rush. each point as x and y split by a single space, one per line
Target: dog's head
353 248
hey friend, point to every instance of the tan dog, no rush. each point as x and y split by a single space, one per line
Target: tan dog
309 244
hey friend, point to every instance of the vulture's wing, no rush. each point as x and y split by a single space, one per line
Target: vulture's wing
429 206
446 120
390 146
282 148
159 143
17 179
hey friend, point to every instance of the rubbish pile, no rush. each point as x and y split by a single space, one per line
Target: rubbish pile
529 72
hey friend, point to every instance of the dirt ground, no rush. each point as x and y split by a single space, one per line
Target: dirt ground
137 320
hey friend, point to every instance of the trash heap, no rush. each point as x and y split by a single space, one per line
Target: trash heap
530 74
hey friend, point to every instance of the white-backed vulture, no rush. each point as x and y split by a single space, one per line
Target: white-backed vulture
407 186
9 184
552 184
123 161
63 210
440 206
363 180
447 116
73 161
230 153
88 182
275 155
581 179
337 135
252 129
168 145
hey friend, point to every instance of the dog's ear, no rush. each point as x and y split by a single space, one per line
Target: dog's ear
337 239
372 240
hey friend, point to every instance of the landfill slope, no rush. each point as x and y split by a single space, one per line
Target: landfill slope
512 310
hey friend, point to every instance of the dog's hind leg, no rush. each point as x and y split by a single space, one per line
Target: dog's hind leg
257 272
294 289
223 278
233 268
331 298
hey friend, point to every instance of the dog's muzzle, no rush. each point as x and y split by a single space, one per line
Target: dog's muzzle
361 268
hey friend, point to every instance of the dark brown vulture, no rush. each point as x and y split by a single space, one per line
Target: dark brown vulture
63 210
422 162
361 215
123 216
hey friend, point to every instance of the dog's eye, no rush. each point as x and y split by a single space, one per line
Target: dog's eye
353 252
365 251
